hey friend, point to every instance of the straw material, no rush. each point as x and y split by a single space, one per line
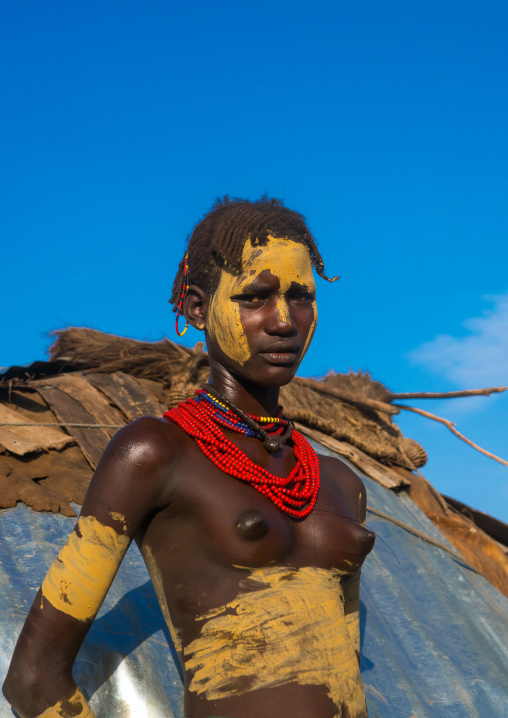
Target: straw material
110 380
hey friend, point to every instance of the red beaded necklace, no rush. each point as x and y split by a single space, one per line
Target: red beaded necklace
200 418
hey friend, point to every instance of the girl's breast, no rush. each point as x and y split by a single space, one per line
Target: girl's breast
235 525
331 537
258 535
338 541
253 535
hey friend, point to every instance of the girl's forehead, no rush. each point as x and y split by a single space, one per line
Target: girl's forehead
285 258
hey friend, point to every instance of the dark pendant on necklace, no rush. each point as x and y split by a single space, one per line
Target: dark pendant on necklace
271 442
276 442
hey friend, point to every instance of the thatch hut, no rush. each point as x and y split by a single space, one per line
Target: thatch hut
434 606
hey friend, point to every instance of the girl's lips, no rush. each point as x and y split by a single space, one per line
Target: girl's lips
285 357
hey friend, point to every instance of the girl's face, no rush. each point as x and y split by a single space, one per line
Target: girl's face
263 319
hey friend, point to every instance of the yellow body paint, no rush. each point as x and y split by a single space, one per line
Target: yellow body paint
287 260
76 707
285 626
120 518
81 575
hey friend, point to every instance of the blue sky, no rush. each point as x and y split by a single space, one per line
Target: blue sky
383 123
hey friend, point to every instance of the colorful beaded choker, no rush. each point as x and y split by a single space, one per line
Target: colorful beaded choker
202 418
274 434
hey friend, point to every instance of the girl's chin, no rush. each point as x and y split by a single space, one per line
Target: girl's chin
272 375
265 369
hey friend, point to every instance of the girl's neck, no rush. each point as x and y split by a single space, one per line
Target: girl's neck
250 398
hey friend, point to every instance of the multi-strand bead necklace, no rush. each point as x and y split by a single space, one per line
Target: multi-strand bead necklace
202 418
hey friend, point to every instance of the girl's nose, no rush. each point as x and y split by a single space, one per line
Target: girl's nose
283 309
281 320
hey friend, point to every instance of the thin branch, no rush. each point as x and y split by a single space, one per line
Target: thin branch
450 425
448 394
346 396
421 535
52 423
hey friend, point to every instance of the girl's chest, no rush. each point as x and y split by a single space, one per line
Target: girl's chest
237 525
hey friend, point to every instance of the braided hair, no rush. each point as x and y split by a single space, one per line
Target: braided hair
217 241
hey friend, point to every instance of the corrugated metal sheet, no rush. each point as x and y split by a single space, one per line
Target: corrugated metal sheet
434 633
124 667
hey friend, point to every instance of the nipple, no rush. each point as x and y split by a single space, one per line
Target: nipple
367 537
252 525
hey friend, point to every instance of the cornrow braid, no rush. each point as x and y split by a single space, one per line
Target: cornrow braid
217 241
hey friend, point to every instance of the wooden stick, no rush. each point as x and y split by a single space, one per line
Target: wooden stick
448 394
452 428
421 535
346 396
53 423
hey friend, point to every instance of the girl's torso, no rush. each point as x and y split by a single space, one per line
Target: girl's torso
254 599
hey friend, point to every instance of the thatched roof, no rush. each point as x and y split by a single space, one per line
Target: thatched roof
98 379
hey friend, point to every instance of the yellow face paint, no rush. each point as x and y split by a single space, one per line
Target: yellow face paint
287 260
81 575
75 706
286 626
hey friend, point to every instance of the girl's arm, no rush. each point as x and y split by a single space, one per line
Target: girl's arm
125 490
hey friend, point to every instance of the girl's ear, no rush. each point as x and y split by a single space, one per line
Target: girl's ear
195 306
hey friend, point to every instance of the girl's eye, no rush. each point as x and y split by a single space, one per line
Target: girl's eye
249 298
301 297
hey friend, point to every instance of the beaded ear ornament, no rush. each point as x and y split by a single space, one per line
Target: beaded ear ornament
185 286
